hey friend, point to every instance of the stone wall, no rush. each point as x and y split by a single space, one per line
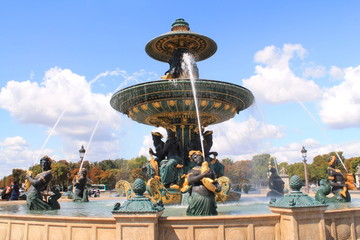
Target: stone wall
34 227
341 224
220 227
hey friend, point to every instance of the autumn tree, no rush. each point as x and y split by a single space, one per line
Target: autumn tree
19 175
95 174
60 172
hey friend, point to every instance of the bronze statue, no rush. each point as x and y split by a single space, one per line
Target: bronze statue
159 147
216 165
177 69
169 172
203 187
81 193
337 181
276 184
37 192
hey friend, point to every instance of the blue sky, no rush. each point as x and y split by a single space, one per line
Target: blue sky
66 58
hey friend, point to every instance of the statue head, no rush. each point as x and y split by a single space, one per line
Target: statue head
196 156
45 163
156 135
214 154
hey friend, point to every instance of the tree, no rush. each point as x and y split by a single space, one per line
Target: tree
107 165
137 173
137 162
227 161
261 168
108 178
352 164
296 169
122 164
239 171
19 175
95 174
60 172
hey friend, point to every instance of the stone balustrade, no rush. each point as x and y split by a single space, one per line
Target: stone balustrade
338 224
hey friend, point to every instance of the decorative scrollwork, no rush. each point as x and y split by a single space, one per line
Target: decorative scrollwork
123 187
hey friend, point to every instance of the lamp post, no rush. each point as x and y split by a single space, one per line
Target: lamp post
82 152
303 152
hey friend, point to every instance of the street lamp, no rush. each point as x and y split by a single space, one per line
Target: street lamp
82 152
303 152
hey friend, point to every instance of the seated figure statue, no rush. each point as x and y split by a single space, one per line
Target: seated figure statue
203 187
35 199
81 193
169 172
152 166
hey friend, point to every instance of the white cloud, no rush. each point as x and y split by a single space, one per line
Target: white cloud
291 153
314 71
15 153
234 138
276 82
64 91
336 72
340 105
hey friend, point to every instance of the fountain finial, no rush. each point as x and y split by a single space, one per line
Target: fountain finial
180 38
180 25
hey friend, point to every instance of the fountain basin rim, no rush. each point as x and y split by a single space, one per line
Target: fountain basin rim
174 81
152 102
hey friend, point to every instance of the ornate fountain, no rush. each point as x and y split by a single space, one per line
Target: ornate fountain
169 103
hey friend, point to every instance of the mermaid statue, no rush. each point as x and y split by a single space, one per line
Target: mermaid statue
38 196
81 193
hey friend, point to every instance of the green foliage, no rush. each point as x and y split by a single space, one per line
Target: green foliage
107 165
19 175
227 161
352 164
296 169
261 168
138 162
60 172
137 173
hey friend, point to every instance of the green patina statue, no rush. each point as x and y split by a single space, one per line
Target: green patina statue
38 198
81 193
276 184
203 187
336 183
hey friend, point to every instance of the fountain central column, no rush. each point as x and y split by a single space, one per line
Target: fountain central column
169 103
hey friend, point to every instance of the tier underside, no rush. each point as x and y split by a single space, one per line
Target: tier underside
171 103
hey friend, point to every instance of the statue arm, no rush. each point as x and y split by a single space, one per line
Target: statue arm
196 176
37 181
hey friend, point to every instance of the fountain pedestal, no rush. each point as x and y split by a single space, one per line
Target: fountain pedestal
138 217
301 217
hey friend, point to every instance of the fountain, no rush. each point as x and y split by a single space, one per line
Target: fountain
169 103
183 104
